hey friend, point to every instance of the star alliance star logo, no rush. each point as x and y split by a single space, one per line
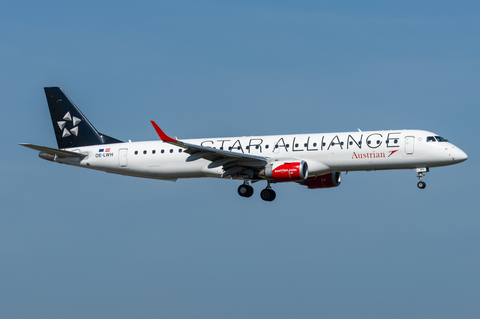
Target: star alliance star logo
74 129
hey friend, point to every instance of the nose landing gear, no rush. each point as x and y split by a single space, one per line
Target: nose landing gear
421 184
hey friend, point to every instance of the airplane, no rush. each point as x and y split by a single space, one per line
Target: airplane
313 160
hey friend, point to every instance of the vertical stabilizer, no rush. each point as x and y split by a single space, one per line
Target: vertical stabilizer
72 129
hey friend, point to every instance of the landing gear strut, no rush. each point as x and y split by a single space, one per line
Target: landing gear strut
268 194
421 184
245 190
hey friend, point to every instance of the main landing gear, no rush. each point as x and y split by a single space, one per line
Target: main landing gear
245 190
421 184
267 194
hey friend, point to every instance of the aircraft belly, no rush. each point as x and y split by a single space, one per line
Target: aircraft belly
177 169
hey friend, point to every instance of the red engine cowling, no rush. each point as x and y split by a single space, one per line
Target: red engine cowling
324 181
287 171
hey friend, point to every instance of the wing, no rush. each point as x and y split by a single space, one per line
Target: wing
234 164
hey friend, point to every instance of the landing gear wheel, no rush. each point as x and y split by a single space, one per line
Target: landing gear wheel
245 190
268 194
421 185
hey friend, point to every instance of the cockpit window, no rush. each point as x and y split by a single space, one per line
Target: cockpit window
431 139
441 139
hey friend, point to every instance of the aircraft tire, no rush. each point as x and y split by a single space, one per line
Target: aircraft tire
245 190
421 185
268 194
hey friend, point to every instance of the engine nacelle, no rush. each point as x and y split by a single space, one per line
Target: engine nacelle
324 181
287 171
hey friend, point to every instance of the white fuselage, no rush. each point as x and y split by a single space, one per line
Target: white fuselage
324 153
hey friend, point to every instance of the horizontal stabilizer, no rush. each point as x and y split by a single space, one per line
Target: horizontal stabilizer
54 151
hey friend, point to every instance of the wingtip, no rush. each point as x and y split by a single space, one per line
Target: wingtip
164 137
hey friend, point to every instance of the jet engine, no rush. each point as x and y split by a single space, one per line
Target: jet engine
287 171
324 181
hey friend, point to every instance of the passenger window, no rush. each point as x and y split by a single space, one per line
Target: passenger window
136 152
153 152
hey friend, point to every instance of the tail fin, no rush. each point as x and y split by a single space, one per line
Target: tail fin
71 127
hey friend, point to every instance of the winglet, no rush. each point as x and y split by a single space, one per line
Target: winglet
164 137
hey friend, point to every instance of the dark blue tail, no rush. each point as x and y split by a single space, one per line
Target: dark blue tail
72 129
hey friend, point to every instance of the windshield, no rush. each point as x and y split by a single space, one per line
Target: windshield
436 139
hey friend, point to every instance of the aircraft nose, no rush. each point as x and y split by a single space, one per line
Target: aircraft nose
460 156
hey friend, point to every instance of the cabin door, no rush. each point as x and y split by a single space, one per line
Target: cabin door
122 157
409 145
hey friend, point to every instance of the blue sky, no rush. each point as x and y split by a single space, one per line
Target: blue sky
77 243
